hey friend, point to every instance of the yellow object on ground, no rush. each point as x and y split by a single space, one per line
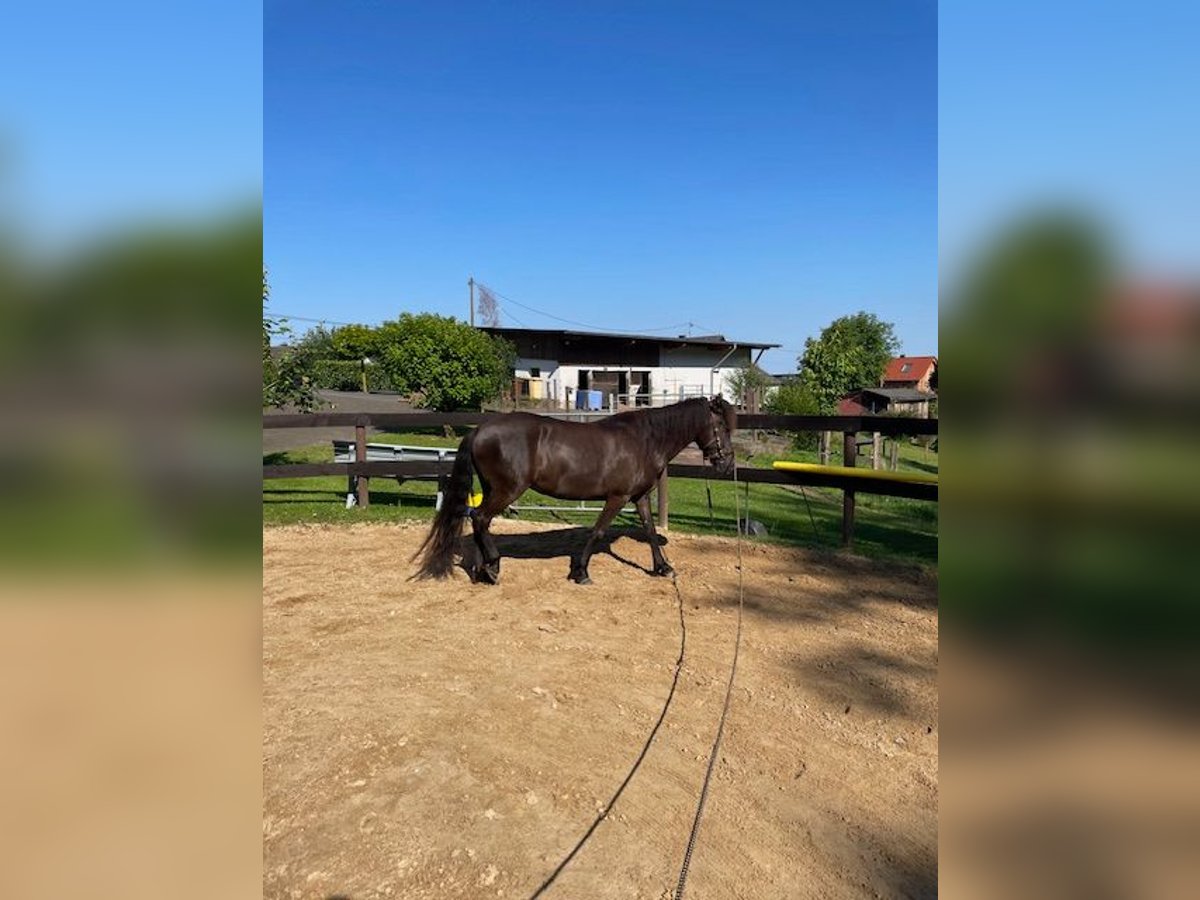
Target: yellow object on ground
474 500
915 477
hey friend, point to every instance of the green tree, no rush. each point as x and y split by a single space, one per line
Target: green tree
316 344
747 378
851 353
285 381
445 364
793 398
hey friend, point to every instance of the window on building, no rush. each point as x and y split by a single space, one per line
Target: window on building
535 372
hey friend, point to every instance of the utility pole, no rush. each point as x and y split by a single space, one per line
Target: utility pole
471 285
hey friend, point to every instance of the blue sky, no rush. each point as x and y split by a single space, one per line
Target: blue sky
757 170
121 112
1073 103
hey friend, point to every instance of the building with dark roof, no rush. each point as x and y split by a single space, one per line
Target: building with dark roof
630 369
881 400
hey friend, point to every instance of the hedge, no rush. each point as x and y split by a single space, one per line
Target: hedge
346 375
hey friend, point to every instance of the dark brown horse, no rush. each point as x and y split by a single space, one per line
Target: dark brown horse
616 460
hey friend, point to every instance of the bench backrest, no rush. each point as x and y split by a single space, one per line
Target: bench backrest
343 451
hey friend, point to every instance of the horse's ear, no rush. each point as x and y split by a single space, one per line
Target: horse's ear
724 408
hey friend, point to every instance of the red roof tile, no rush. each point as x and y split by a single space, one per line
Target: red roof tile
917 367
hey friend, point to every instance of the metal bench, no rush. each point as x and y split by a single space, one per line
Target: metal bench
441 460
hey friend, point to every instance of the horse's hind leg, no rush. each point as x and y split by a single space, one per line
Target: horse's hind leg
487 568
661 566
494 502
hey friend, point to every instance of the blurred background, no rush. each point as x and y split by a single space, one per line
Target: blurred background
1070 379
130 254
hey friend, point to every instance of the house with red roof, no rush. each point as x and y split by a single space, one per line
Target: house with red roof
911 372
904 390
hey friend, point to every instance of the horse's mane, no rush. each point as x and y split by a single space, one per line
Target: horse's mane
666 424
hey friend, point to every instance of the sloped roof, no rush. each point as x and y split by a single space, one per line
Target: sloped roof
704 340
899 395
848 406
917 367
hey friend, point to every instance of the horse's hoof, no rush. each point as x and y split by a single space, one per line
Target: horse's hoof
579 578
664 571
486 576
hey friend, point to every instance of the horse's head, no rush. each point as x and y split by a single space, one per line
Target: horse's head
716 439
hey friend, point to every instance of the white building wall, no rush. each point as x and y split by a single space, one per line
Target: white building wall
523 366
692 381
566 381
547 372
689 368
688 372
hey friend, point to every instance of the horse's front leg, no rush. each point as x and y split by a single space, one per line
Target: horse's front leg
661 566
579 571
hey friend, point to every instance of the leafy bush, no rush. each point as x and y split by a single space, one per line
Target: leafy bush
445 364
316 344
284 380
289 385
354 343
337 375
346 375
795 399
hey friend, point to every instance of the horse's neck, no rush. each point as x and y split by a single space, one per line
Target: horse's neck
677 440
677 445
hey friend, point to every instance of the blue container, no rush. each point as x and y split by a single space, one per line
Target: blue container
589 399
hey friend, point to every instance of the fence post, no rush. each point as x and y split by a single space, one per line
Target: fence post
849 451
895 454
360 455
823 448
876 447
662 501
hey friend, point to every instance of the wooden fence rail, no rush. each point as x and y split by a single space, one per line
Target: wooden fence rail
887 425
849 426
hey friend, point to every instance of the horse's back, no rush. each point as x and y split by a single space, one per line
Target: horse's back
572 460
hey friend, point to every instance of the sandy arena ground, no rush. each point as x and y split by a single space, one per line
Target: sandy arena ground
444 739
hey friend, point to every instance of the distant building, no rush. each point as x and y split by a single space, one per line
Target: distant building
909 372
772 384
886 400
627 369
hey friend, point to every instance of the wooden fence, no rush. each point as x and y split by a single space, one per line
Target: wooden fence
849 426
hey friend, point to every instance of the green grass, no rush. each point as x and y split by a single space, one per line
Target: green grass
885 527
287 501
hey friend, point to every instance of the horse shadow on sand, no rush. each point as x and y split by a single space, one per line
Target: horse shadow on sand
566 543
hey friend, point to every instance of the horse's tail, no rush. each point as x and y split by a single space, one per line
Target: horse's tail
437 550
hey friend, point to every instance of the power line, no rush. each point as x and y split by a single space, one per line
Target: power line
533 309
541 312
315 321
508 313
668 327
505 312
